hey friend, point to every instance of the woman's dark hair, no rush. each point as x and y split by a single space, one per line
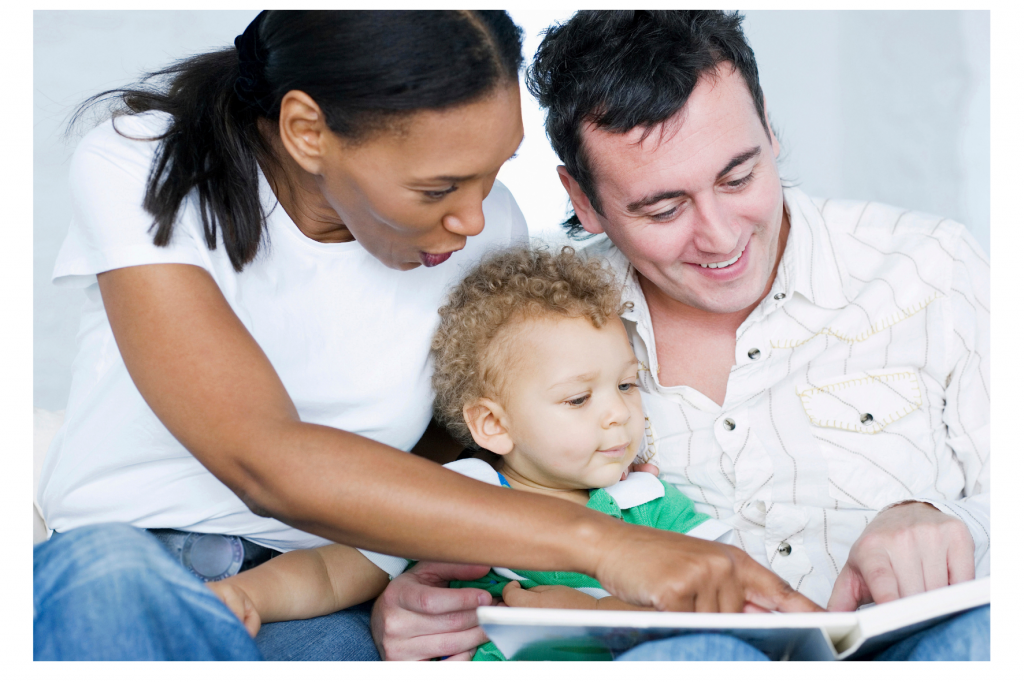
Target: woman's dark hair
363 68
623 69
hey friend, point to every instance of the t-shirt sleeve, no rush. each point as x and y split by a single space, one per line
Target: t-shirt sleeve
109 227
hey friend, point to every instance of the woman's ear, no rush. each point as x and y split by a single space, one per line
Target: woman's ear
488 424
303 130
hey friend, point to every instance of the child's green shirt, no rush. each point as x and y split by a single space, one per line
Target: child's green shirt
669 510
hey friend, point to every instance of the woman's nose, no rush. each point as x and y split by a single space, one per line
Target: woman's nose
467 220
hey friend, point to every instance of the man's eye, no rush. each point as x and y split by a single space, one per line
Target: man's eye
577 402
439 194
666 215
741 182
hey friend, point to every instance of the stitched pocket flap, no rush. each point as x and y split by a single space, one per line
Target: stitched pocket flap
865 402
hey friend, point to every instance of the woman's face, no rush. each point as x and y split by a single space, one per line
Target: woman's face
412 194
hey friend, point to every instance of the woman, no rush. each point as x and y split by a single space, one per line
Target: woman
266 238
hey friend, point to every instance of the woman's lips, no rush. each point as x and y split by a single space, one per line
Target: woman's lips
429 260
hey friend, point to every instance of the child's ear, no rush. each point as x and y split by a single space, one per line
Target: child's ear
487 423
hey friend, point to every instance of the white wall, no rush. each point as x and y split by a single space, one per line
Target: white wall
889 106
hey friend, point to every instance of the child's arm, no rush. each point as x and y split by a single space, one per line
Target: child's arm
301 584
561 597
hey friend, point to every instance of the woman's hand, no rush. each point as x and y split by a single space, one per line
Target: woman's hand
235 598
673 572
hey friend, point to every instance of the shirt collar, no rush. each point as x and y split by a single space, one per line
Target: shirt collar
810 266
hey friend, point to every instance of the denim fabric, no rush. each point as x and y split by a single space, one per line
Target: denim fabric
341 636
964 638
700 647
113 592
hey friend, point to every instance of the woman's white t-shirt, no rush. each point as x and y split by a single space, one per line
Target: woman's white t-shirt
348 337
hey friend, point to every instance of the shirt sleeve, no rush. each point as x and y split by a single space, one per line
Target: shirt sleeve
109 227
966 414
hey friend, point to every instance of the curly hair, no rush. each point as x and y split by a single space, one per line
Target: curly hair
507 287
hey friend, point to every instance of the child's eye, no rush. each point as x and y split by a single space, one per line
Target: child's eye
627 386
577 402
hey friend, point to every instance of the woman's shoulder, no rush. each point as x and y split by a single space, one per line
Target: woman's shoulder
124 140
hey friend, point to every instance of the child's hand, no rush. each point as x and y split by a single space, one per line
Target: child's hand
547 597
239 603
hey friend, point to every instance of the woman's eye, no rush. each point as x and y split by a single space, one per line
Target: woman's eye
437 195
577 402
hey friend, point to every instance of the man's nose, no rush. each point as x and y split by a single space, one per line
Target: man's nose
714 232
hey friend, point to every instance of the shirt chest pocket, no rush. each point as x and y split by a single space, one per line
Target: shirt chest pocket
865 402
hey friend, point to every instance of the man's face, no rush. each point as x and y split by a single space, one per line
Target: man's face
697 206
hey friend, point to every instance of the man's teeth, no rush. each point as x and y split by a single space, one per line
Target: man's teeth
723 264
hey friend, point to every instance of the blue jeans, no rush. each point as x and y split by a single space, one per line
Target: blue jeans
964 638
112 592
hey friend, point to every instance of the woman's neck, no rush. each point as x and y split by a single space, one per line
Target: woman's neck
299 195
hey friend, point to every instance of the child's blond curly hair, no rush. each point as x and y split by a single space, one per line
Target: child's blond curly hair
509 286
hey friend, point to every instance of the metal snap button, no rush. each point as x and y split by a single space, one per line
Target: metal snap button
779 296
753 354
785 549
866 418
729 424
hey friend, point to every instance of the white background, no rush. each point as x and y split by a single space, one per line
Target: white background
888 106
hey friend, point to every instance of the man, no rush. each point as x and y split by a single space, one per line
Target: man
815 372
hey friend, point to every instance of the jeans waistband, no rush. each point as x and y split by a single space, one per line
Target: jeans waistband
210 556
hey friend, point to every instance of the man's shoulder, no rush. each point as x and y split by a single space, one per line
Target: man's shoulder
883 224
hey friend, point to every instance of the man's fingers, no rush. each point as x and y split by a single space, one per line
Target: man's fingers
880 580
429 600
934 572
446 644
960 562
464 656
845 592
908 570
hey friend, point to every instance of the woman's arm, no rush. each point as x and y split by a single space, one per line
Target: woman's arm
211 385
301 584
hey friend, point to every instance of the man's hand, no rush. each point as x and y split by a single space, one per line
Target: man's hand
673 572
239 603
419 618
905 550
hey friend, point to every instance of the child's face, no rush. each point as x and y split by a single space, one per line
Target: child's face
573 407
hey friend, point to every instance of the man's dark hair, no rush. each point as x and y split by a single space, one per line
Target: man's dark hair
623 69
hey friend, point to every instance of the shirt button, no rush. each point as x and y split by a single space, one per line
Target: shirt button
729 424
866 418
753 354
785 549
779 296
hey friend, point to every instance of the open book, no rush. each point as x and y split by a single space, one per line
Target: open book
564 634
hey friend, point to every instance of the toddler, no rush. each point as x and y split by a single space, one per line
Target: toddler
532 363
